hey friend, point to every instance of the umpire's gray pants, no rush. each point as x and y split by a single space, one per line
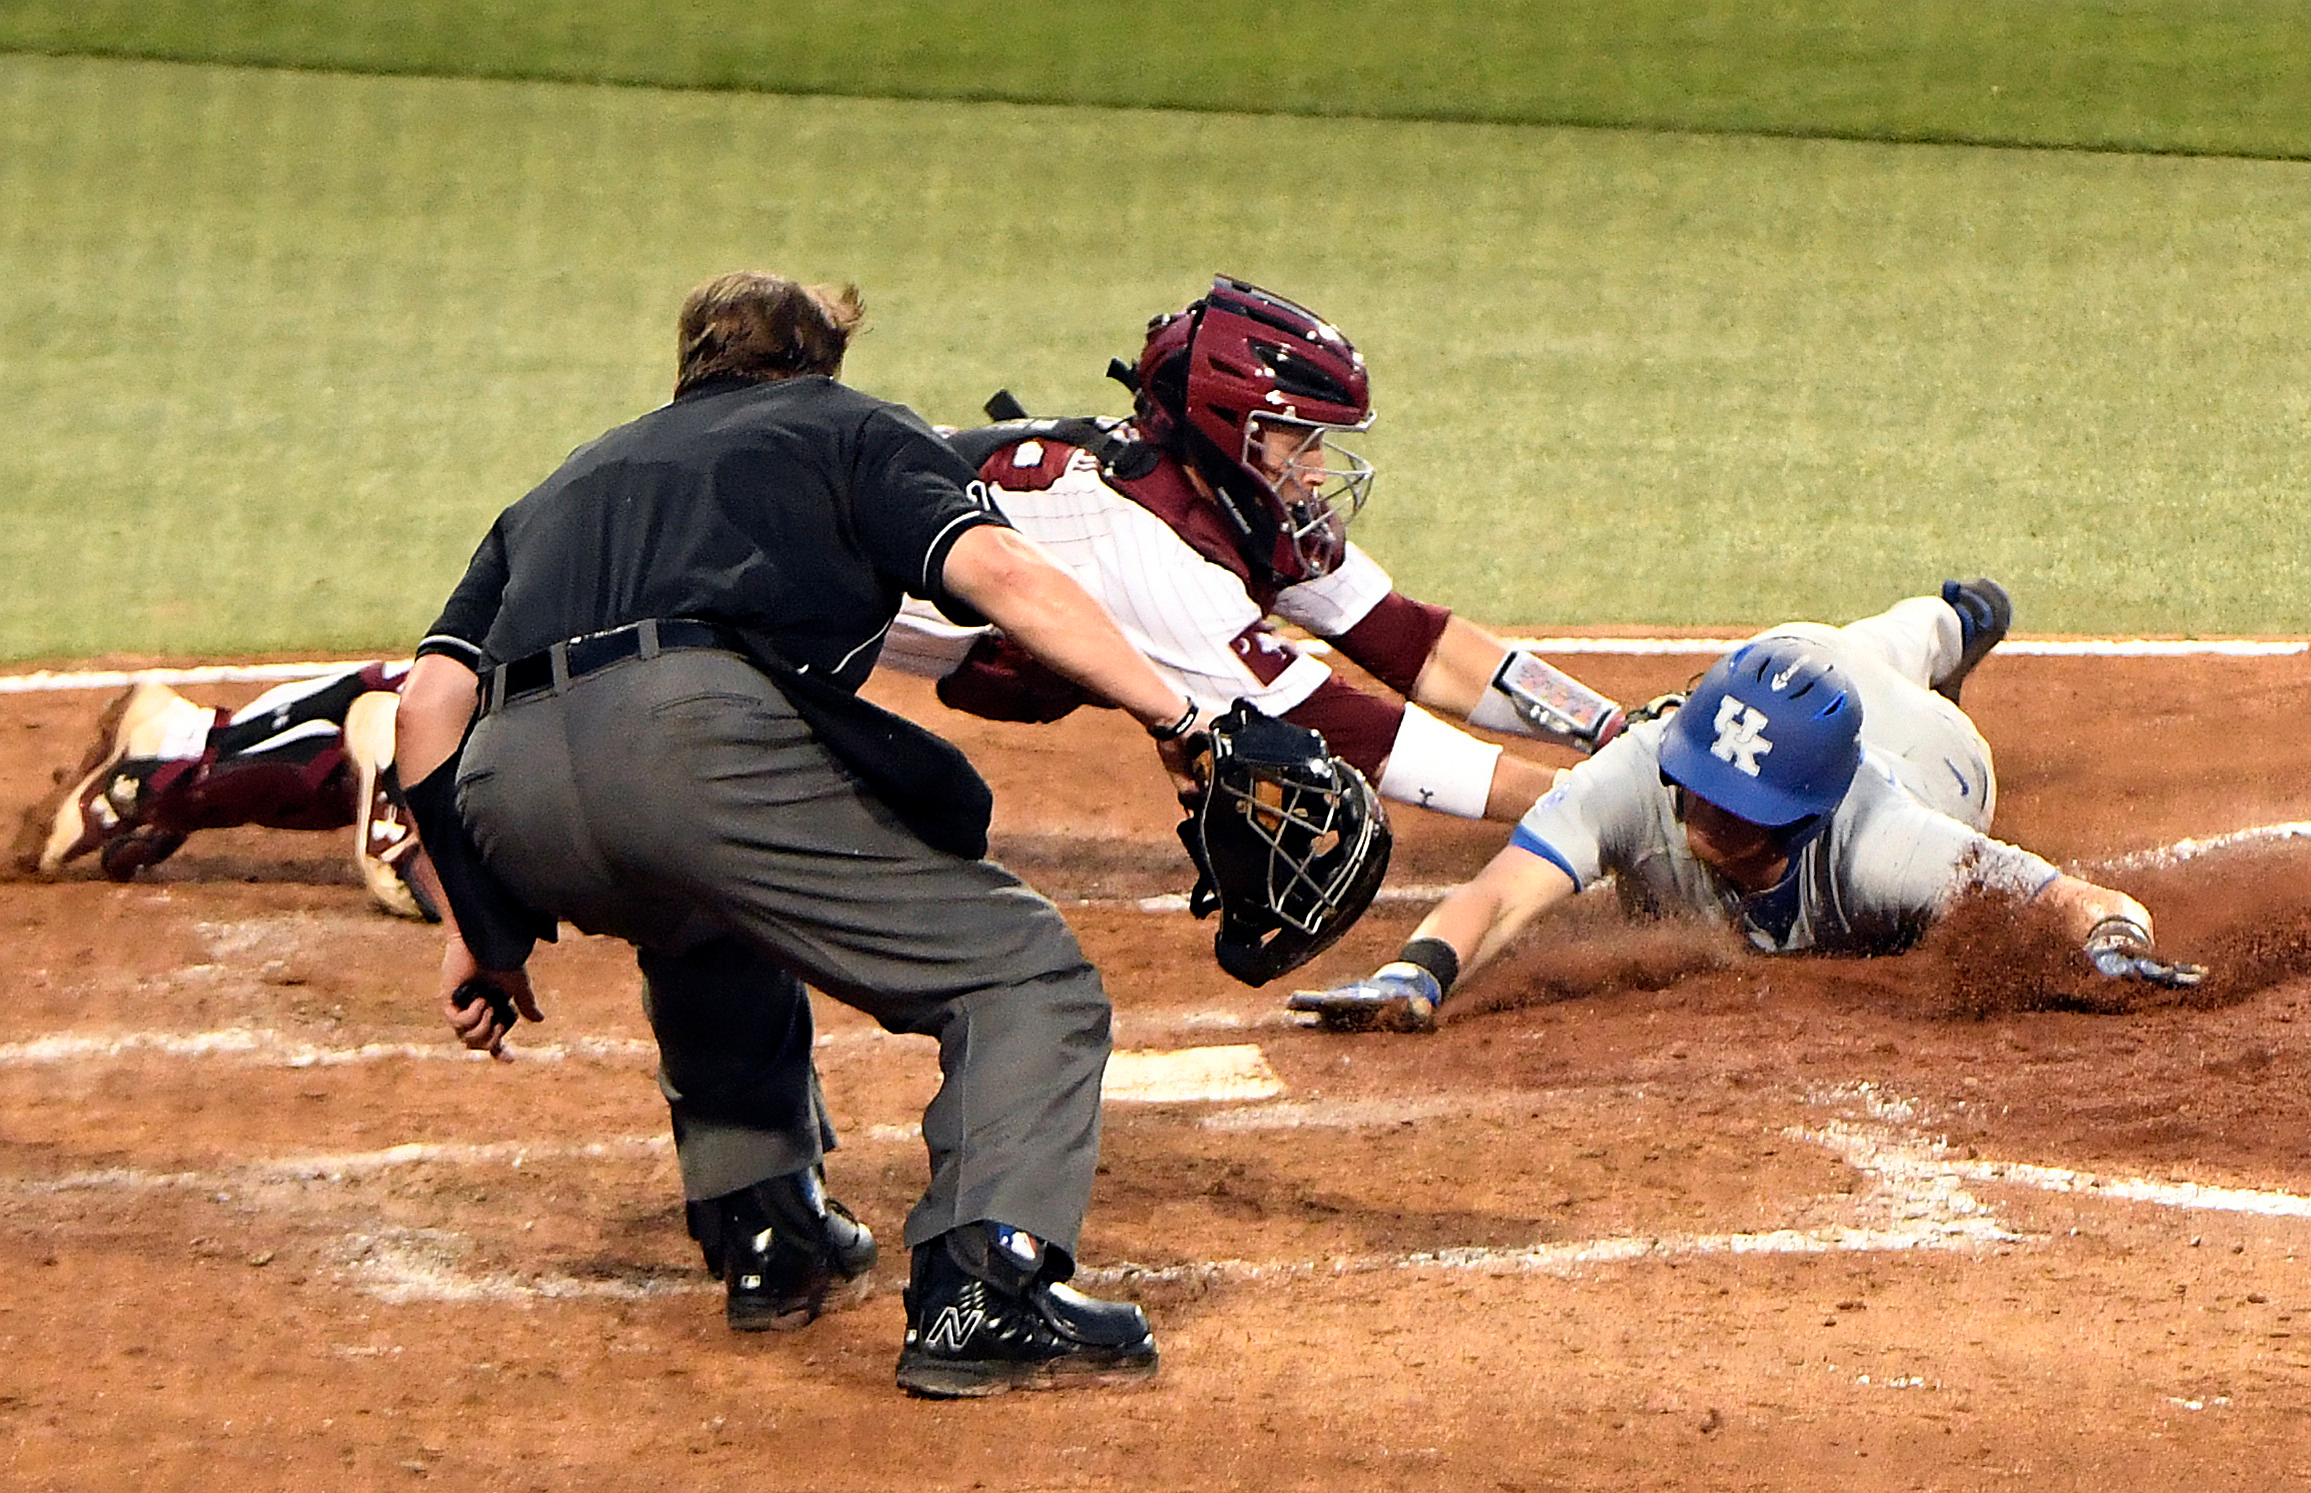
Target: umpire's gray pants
678 803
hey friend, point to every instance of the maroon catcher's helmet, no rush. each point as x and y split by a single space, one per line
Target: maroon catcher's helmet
1246 386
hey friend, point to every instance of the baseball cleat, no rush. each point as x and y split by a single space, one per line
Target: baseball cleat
787 1253
1984 613
133 849
993 1326
95 807
384 838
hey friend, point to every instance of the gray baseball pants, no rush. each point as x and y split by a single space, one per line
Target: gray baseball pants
1894 659
678 803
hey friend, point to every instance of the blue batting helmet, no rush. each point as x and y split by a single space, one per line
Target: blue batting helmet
1772 734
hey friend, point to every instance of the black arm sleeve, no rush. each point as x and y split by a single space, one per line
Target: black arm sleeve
499 928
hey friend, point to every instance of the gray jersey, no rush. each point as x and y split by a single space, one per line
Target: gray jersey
1907 840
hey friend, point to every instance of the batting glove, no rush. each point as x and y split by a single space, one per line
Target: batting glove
1398 997
2120 949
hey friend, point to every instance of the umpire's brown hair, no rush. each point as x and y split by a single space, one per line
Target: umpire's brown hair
763 328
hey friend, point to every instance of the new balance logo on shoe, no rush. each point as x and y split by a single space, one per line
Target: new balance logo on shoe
953 1328
969 1336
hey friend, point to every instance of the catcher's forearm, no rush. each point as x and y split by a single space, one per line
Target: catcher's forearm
1459 671
1487 683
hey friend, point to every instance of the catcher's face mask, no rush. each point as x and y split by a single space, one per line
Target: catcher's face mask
1290 843
1318 488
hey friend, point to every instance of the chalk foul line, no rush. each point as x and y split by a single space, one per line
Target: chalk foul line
2192 849
45 680
1919 1199
352 1166
407 1266
272 1048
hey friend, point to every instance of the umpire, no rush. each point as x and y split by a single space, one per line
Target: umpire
638 714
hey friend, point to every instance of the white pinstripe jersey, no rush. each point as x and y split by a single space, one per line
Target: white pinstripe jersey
1197 621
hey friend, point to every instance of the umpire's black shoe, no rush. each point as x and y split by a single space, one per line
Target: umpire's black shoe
981 1319
1984 613
785 1250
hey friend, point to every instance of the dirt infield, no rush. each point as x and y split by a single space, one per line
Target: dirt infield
1649 1212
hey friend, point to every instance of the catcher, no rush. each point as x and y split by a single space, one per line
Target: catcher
1222 503
313 754
1820 790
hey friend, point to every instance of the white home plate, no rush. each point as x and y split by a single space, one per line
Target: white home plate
1189 1075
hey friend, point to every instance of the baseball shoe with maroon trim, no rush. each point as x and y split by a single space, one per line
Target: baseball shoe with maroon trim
96 806
384 838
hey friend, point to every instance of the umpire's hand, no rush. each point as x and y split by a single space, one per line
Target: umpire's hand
482 1006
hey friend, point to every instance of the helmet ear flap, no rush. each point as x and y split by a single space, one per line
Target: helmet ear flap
1159 381
1290 845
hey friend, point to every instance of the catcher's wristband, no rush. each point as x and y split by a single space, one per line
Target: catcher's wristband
1178 728
1437 957
1530 697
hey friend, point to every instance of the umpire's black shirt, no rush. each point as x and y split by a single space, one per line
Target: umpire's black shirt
800 509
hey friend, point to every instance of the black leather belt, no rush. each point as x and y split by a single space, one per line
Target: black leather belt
551 668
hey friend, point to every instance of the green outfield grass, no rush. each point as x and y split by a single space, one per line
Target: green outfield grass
275 346
2192 75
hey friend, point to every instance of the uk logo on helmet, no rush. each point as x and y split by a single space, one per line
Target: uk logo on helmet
1740 736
